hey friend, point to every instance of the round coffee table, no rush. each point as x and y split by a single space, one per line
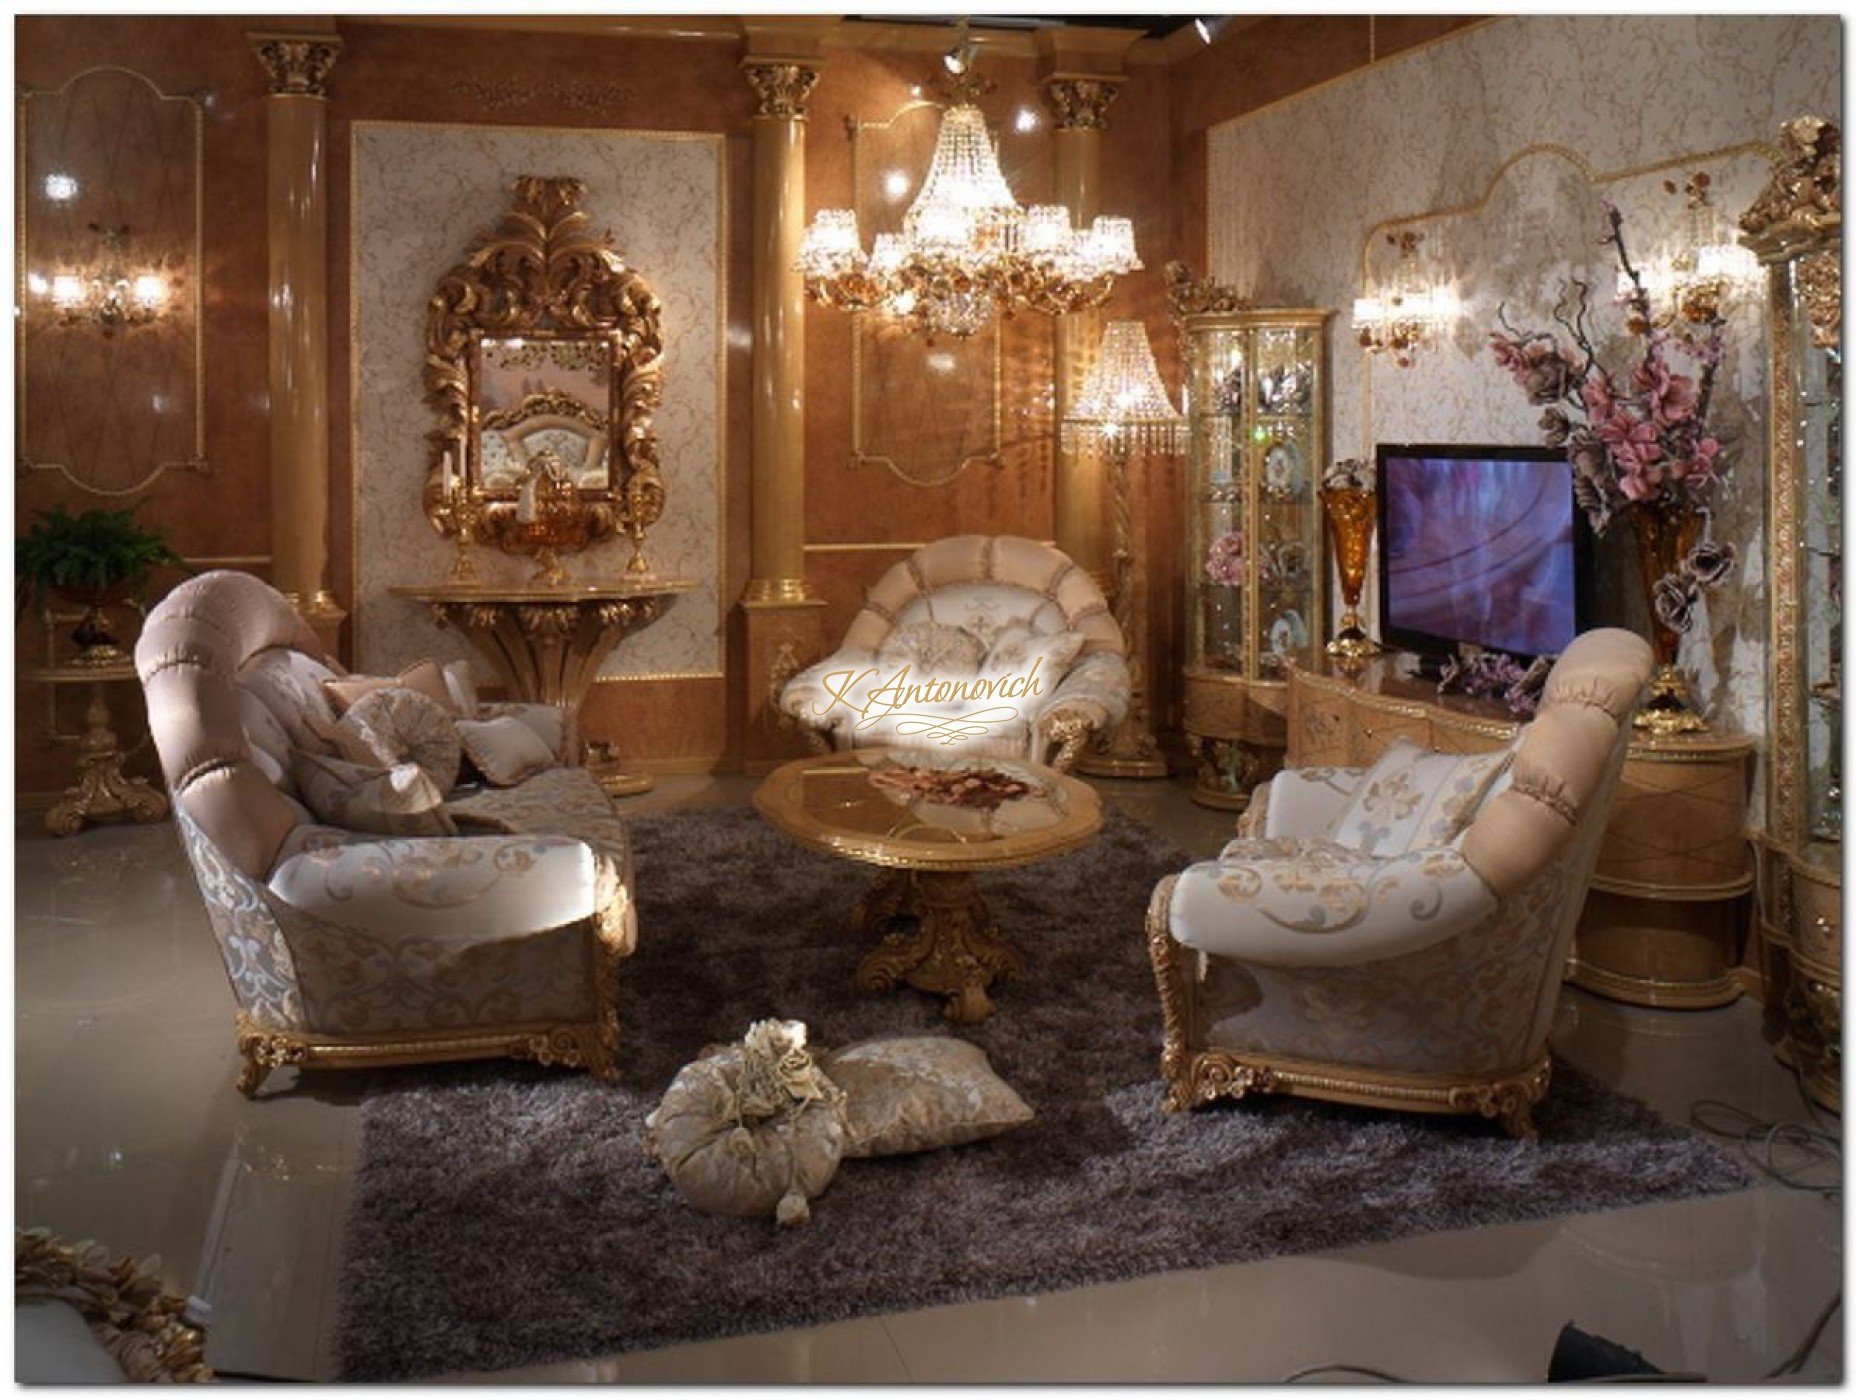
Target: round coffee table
937 933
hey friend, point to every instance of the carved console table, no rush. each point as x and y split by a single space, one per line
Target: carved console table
102 788
1663 923
548 643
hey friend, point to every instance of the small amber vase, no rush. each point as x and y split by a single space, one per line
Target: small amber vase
1664 538
1350 513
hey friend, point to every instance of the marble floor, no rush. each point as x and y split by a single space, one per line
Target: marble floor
128 1131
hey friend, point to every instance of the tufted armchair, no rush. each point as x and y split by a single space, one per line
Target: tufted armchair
1423 977
345 948
991 608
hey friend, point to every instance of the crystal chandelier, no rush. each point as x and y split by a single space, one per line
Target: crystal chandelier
1696 280
107 297
1405 316
967 249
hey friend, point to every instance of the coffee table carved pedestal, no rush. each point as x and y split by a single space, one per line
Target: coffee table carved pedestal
937 932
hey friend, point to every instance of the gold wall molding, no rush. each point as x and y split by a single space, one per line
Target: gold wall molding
1593 177
781 89
865 452
1081 102
297 64
193 284
501 93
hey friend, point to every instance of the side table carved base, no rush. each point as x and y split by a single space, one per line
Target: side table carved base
938 937
102 789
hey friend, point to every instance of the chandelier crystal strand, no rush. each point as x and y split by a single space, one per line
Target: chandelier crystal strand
1123 399
967 250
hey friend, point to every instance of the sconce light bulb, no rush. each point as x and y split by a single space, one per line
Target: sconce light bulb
150 291
60 188
67 290
1025 121
37 285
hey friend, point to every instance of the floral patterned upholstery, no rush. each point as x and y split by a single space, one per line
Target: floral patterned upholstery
957 603
349 949
1298 961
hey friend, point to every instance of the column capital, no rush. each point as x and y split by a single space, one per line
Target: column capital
298 64
781 85
1079 102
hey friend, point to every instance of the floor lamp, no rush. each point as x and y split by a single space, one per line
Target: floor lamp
1123 409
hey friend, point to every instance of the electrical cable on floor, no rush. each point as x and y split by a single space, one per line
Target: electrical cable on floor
1794 1363
1815 1148
1339 1368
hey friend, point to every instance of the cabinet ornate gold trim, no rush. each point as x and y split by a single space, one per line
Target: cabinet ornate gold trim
1795 228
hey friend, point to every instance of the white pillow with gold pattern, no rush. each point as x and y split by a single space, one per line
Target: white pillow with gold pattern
505 750
398 801
919 1092
1415 800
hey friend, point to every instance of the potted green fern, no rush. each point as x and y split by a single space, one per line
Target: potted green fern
96 559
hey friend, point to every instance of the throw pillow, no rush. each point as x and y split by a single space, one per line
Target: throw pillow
751 1129
933 649
398 801
422 676
505 750
461 684
1017 649
1413 800
394 725
916 1093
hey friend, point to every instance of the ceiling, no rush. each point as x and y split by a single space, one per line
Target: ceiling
1154 26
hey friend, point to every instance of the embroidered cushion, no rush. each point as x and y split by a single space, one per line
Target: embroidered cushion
398 801
932 649
1414 800
289 685
270 743
920 1092
504 750
422 676
394 725
461 684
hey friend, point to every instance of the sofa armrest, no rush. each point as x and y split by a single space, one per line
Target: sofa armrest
1096 689
1320 904
451 889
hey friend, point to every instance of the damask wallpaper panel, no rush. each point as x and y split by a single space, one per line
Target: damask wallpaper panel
1497 145
421 194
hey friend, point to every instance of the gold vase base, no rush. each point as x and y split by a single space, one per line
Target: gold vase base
101 654
1352 643
1667 709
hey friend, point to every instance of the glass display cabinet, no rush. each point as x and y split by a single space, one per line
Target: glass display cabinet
1795 228
1256 406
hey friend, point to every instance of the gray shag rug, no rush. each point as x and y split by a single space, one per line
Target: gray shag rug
507 1215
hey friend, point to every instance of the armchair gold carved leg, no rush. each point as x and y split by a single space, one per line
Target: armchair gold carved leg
1175 996
1069 733
263 1050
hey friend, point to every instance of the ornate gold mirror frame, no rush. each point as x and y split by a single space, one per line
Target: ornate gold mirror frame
544 276
112 157
906 433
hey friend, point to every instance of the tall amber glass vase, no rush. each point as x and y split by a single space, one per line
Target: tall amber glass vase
1350 512
1664 538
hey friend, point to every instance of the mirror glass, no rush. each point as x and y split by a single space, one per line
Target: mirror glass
544 400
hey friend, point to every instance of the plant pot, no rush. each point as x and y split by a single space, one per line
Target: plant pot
95 638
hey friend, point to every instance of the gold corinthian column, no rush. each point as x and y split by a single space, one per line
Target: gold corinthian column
1079 104
784 617
297 127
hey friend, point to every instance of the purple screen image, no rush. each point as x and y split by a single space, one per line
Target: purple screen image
1481 551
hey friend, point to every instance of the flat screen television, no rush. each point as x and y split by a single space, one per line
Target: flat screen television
1480 544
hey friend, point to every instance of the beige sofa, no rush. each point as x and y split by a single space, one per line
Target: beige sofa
345 948
1424 978
992 607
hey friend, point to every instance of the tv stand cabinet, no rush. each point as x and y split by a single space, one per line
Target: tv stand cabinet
1664 923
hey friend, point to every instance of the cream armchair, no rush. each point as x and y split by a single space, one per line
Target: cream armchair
1015 614
1424 978
351 949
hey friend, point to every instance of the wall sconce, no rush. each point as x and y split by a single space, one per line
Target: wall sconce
107 296
1405 316
1696 280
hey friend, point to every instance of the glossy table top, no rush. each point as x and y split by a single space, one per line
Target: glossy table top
828 802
